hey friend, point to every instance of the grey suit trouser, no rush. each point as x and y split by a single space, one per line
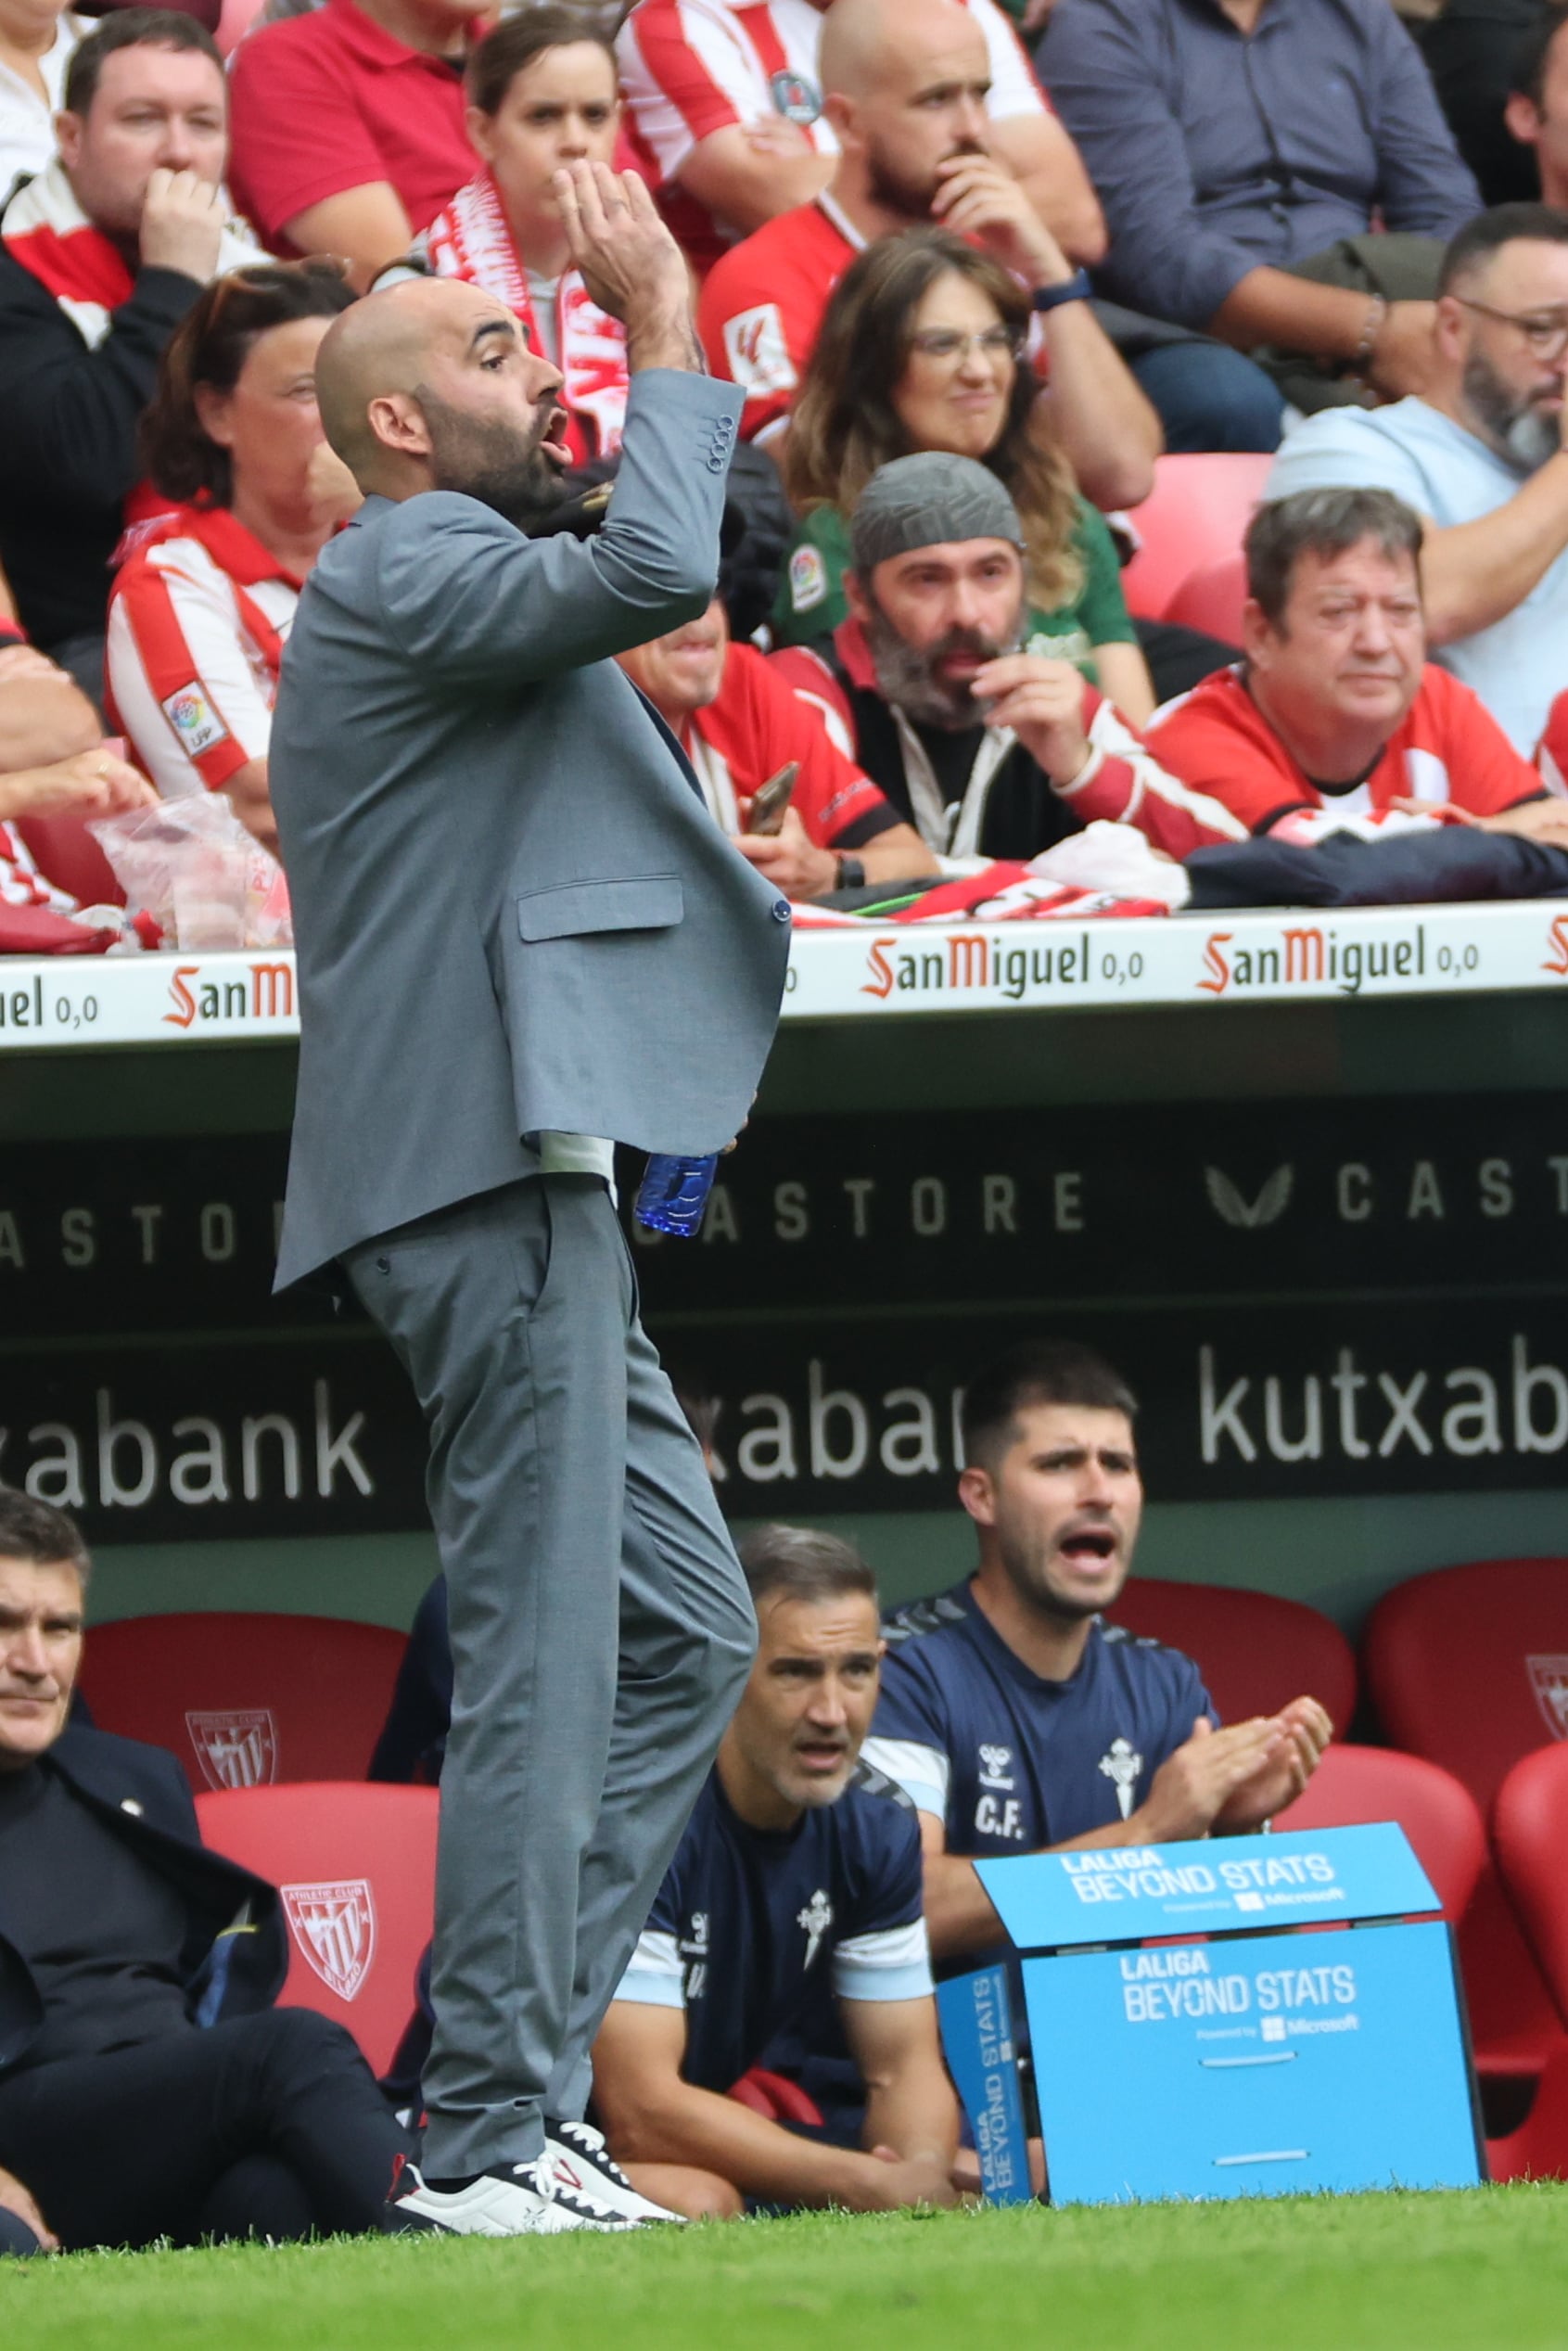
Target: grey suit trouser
601 1635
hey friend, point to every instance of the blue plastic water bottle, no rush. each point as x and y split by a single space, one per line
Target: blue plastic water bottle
673 1192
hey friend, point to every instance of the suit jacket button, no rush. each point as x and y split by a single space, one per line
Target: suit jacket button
129 1804
781 910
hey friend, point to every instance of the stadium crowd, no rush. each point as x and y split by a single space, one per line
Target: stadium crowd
1216 226
974 292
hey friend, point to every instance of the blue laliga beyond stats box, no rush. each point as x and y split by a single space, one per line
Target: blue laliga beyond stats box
1259 2063
1259 2066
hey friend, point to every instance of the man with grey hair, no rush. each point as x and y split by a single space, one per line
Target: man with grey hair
148 2087
795 1893
991 748
1480 458
1335 721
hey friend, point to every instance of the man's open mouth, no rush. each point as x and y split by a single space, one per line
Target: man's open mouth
1089 1547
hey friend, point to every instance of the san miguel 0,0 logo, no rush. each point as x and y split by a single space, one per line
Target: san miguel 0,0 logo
962 961
1307 956
265 991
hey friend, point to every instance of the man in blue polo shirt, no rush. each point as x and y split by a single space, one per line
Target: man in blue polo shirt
795 1892
1011 1717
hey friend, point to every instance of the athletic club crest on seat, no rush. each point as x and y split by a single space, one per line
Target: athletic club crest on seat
236 1748
334 1927
1549 1679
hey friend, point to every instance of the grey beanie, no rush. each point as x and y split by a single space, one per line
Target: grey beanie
925 500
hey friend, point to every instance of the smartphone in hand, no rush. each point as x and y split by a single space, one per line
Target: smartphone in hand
770 800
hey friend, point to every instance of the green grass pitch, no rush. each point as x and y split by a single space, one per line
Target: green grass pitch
1485 2271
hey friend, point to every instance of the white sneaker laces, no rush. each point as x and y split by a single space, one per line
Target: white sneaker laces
554 2189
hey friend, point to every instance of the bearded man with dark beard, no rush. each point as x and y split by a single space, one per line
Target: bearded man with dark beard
521 938
991 747
1480 458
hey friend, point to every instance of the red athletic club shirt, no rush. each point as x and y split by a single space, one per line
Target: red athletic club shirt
748 733
326 102
762 304
689 68
1447 749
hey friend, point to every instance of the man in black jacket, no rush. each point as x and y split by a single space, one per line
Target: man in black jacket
954 701
101 255
148 2087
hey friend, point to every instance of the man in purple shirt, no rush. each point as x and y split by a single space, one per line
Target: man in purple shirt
1235 142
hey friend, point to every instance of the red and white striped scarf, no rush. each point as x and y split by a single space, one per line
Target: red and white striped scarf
472 240
48 233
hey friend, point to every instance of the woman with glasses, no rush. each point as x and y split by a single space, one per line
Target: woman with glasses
543 92
206 593
925 346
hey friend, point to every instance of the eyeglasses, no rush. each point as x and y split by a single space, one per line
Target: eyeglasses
947 343
1544 337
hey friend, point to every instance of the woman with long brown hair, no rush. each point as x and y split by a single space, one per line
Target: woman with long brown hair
206 594
925 346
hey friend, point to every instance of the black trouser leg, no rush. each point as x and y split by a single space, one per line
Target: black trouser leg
123 2149
259 2197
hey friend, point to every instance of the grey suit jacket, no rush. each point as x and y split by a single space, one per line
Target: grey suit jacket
512 910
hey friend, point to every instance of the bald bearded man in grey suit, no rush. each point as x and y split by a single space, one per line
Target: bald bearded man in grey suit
520 936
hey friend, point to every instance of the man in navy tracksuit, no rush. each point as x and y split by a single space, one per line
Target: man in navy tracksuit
1013 1718
148 2087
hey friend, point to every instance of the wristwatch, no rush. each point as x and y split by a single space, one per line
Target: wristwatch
851 873
1075 288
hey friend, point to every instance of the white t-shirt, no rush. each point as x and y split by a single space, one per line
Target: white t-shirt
27 121
1519 663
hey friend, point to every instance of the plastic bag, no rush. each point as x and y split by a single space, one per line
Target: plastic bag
206 882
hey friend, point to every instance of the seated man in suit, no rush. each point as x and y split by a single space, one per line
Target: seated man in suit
793 1907
148 2087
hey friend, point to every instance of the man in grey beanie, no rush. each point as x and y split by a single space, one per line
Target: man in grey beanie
992 750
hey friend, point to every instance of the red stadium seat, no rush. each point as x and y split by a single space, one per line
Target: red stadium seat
1197 512
355 1866
1436 1811
1538 2149
244 1700
1255 1653
1530 1839
65 852
1212 599
1469 1666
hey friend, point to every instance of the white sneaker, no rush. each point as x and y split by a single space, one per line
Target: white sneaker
582 2165
526 2200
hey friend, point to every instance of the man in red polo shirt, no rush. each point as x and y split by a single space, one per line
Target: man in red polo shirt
347 136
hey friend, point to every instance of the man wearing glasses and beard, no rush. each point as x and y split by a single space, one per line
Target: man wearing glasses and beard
1480 459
